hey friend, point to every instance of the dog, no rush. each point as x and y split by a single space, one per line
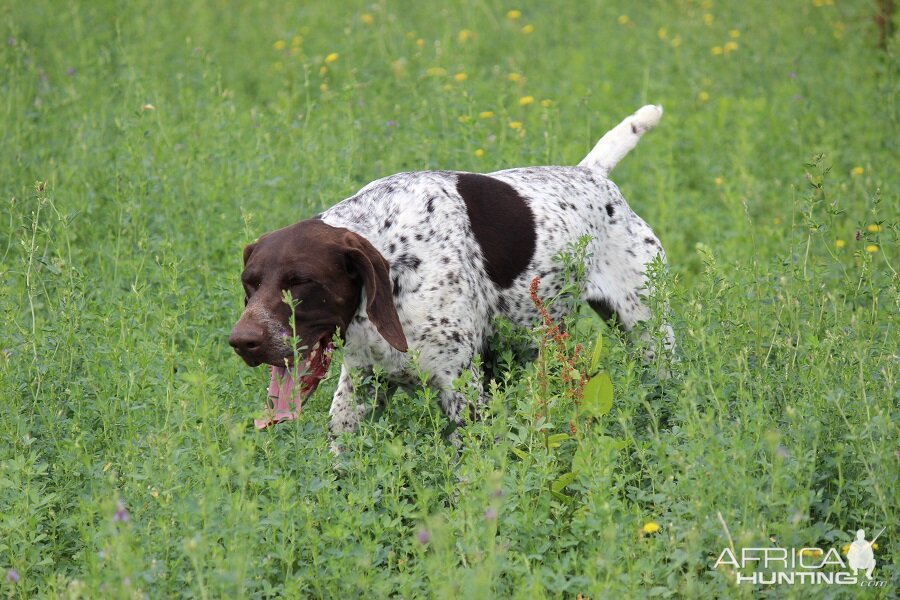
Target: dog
420 263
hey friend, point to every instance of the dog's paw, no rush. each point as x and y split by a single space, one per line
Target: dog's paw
646 118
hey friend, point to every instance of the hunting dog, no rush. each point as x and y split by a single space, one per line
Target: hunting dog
420 263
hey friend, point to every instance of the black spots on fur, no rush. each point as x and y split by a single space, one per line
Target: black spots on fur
387 224
503 225
392 248
634 129
419 237
456 337
610 210
651 241
602 307
407 261
429 205
396 286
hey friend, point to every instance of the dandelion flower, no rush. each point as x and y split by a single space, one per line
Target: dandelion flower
873 228
367 19
716 50
546 103
718 181
857 171
515 124
811 552
676 41
332 57
323 69
464 36
528 29
436 71
486 114
871 248
464 118
479 153
460 77
420 43
323 87
840 244
514 14
777 220
708 19
731 46
845 549
297 40
703 96
526 100
734 34
650 527
514 77
623 20
662 33
279 45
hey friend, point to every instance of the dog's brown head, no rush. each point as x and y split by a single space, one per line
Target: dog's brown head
325 269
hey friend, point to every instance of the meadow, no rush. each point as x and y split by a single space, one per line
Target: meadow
144 143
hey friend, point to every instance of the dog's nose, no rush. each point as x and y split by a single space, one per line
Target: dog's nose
246 340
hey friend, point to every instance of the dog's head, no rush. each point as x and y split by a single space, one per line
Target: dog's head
324 269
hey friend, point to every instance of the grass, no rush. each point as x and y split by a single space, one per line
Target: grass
145 143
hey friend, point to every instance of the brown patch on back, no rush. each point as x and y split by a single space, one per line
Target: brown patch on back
503 225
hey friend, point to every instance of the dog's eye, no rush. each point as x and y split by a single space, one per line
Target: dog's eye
295 281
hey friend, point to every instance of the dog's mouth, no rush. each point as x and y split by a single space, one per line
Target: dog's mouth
290 385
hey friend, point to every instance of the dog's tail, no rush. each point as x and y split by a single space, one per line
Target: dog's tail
619 140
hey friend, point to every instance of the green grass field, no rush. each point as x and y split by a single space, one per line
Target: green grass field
144 143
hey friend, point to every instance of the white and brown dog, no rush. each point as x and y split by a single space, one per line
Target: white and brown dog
421 263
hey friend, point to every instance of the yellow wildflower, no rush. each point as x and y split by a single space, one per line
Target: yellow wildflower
718 181
486 114
716 50
730 46
463 36
323 87
708 19
514 14
515 124
857 171
777 220
676 41
874 228
279 45
662 33
528 29
297 40
436 71
420 43
546 103
331 58
623 20
464 118
703 96
871 248
479 153
460 77
840 244
323 69
367 19
514 77
734 34
650 527
526 100
811 552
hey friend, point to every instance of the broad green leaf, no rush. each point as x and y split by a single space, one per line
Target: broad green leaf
519 453
598 395
555 440
562 481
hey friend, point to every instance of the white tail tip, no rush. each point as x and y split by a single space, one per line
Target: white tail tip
621 139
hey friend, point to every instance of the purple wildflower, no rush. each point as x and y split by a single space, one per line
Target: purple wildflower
121 515
70 71
390 123
793 74
422 536
490 514
12 576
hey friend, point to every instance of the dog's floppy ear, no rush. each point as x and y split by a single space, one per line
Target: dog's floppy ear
248 250
373 269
